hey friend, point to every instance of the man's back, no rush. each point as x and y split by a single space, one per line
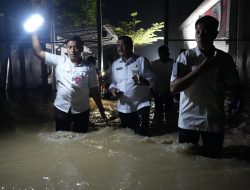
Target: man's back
162 71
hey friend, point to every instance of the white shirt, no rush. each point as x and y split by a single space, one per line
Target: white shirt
72 83
162 71
202 103
135 97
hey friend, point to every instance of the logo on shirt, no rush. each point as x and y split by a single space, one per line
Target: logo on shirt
119 68
77 80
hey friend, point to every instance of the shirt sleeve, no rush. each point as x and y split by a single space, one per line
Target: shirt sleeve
52 59
174 74
148 73
178 67
113 82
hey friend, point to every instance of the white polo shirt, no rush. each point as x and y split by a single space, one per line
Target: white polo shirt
72 83
135 97
202 103
162 71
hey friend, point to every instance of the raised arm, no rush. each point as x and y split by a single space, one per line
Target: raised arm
37 47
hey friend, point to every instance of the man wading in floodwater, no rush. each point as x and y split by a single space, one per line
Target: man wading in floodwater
202 75
132 78
75 79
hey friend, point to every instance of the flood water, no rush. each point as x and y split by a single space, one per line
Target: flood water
33 156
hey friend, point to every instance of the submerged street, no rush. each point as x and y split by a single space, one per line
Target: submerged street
34 156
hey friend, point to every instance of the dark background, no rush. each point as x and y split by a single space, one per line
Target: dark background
149 12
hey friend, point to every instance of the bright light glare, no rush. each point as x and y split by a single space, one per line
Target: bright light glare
103 73
33 23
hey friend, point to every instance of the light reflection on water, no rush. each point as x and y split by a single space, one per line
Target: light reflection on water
36 157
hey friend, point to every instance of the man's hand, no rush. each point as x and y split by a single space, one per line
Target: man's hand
116 92
113 91
139 80
95 92
235 106
201 63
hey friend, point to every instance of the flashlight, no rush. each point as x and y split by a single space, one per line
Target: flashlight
33 23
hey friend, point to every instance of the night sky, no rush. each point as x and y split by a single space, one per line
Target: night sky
148 11
151 11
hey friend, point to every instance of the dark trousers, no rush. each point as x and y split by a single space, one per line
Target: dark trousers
64 120
137 121
212 143
163 102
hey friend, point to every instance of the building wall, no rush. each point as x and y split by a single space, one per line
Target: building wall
234 30
243 44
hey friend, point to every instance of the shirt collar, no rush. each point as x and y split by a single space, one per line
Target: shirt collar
69 65
83 62
77 65
199 51
130 60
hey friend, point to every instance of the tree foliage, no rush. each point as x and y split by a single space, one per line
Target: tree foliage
139 36
75 12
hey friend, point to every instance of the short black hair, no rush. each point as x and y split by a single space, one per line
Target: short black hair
91 59
77 39
127 40
163 48
209 22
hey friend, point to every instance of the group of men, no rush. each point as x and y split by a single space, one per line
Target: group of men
201 75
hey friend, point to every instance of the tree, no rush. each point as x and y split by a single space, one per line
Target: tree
141 36
75 12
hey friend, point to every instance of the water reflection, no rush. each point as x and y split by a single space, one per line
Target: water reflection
110 159
33 156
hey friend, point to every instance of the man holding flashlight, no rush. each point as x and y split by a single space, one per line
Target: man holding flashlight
75 80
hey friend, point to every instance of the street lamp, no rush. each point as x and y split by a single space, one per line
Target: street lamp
33 23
